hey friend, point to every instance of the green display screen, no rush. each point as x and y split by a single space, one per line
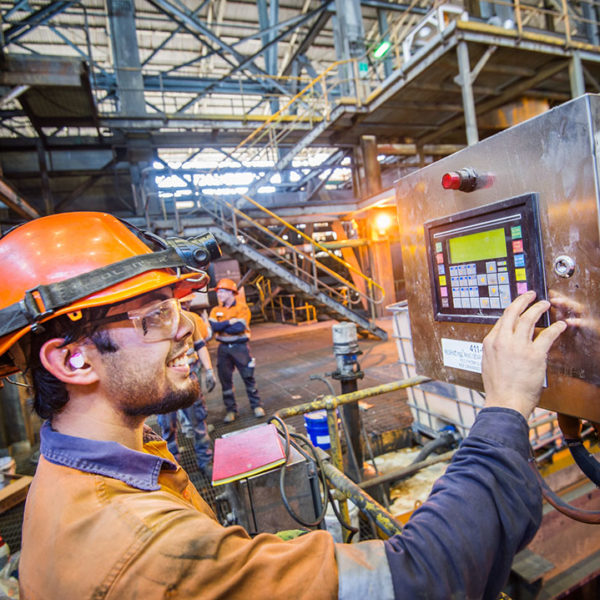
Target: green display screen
478 246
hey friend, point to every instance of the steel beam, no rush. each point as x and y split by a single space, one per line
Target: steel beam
464 69
16 202
121 17
33 20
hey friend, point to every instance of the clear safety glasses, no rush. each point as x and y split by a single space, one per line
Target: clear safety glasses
153 323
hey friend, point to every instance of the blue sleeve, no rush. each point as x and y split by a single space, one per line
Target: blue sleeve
488 505
218 326
237 327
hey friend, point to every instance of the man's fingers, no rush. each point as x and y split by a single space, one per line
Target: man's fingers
511 315
531 316
549 335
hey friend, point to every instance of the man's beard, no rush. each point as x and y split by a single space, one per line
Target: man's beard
170 402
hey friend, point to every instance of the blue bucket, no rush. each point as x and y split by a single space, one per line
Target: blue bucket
317 429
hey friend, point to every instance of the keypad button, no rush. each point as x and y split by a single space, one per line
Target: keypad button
472 280
455 281
457 302
472 269
453 270
442 280
515 232
464 291
462 270
501 263
474 302
456 292
495 302
442 269
504 290
439 258
438 246
504 302
484 302
445 302
482 279
492 279
501 269
490 266
517 246
474 292
520 275
493 290
521 287
503 278
444 291
519 260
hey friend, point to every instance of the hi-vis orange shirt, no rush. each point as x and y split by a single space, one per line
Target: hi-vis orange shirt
231 324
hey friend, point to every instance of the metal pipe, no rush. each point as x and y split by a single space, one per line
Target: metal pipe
404 472
332 402
383 519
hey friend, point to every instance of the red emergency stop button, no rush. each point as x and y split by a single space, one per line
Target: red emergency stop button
451 180
466 180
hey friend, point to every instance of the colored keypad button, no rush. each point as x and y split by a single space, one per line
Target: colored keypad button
444 291
520 275
442 269
445 302
515 232
438 246
442 280
519 260
521 288
439 258
490 267
517 246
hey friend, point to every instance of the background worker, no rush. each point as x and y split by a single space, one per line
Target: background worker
107 491
192 420
230 322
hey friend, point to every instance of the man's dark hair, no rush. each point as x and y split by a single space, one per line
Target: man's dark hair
50 394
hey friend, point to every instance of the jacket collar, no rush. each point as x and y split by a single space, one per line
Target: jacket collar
110 459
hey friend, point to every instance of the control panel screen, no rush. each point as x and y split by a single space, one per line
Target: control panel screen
478 246
481 259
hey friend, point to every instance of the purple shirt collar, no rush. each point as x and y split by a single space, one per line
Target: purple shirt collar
110 459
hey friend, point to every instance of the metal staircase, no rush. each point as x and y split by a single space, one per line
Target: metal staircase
295 268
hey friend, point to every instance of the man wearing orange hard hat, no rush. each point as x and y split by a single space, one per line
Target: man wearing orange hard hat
90 313
230 322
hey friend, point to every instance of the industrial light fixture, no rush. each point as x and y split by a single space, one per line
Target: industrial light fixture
383 222
382 49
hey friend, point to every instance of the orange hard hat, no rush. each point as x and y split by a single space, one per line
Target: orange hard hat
227 284
67 262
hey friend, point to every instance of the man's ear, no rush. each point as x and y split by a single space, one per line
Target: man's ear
68 363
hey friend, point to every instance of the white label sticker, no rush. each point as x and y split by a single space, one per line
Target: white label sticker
463 355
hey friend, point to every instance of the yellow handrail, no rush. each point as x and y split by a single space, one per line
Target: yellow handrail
283 242
320 247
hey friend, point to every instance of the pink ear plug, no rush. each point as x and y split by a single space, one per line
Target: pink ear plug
76 360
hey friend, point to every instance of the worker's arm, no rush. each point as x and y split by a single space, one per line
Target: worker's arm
461 542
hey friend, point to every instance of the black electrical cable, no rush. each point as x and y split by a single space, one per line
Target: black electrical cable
584 459
578 514
282 472
353 530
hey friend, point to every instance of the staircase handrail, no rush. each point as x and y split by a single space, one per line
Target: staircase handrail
317 265
347 265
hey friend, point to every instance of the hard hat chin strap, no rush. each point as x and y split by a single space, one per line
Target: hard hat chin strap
45 300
